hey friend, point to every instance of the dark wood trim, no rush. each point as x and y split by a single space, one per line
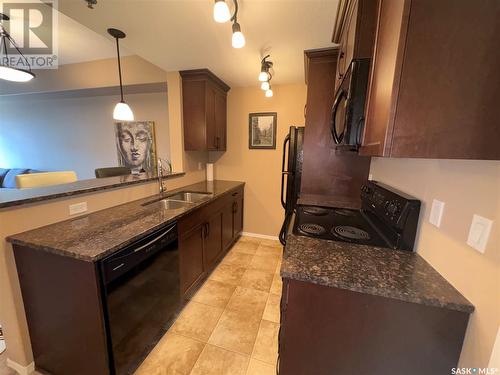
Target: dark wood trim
201 74
326 55
340 20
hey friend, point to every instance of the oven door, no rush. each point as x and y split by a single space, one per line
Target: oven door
339 120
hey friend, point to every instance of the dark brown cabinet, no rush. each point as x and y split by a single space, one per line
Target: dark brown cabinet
435 84
213 239
326 330
191 245
206 235
355 32
204 97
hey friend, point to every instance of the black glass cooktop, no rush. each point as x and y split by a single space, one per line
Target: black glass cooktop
337 224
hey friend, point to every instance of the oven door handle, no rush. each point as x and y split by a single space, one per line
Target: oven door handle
154 240
283 172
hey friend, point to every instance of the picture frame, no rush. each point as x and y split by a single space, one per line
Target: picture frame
136 145
262 130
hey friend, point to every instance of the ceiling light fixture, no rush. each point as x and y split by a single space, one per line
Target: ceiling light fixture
221 11
122 110
8 72
91 3
222 15
265 76
265 66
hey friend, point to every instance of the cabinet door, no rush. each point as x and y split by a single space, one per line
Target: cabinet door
191 256
227 224
220 120
384 80
213 239
211 125
238 215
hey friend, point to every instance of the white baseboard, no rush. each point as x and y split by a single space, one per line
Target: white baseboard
21 370
257 235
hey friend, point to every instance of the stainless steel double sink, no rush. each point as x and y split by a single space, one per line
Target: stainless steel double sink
181 199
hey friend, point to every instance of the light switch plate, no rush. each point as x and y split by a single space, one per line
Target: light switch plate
436 212
479 233
78 208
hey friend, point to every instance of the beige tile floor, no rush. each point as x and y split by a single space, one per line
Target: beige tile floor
230 327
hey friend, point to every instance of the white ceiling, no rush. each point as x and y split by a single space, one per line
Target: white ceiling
181 34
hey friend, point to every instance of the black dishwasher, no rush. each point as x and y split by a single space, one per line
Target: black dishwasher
142 296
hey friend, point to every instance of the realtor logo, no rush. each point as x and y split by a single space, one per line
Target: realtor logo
33 27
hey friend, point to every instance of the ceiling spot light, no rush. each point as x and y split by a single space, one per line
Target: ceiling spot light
265 66
238 40
8 72
221 11
122 110
222 14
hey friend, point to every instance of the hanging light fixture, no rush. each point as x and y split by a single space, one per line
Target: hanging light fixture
222 15
265 85
221 11
8 72
265 66
122 110
269 92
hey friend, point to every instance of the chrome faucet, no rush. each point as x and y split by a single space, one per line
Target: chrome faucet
160 177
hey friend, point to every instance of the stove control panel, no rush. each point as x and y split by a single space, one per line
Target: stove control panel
387 203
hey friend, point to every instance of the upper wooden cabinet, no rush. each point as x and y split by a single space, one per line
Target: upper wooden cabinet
435 84
204 97
355 32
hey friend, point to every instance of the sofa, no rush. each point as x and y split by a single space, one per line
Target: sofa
8 176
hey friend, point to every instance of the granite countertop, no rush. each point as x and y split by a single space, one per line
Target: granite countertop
384 272
18 197
96 235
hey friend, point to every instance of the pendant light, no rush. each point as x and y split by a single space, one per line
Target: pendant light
8 72
269 92
122 110
265 86
222 15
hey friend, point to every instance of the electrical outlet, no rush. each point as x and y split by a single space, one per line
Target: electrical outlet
479 233
436 213
78 208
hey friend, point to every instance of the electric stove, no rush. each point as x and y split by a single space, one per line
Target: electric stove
387 218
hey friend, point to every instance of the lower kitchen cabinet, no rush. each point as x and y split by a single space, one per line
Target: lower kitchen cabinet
213 239
326 330
191 256
206 235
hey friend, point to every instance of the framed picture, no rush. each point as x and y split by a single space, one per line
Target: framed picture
136 145
262 130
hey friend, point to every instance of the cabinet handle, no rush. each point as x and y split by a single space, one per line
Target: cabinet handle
235 207
235 194
217 142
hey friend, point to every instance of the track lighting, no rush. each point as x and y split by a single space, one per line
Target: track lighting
222 14
265 76
238 40
221 11
8 72
265 65
122 110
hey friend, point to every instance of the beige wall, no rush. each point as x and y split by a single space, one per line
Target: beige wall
467 188
260 169
15 220
89 75
72 133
